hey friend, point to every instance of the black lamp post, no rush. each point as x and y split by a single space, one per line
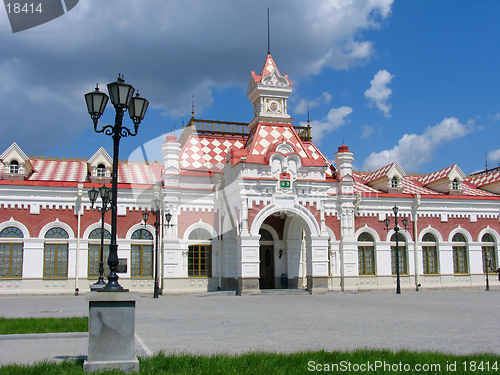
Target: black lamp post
156 203
396 229
105 194
123 99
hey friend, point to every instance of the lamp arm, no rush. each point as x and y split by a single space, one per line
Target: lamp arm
107 129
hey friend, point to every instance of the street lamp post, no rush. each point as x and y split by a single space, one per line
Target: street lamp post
105 194
156 205
396 230
123 99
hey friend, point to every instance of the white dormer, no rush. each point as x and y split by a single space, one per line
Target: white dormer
16 165
100 166
388 178
448 180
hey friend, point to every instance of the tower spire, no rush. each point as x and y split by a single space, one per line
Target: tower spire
192 106
268 35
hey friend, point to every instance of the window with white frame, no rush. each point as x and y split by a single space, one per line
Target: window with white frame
488 247
366 254
11 253
14 166
142 254
429 254
460 262
55 259
200 253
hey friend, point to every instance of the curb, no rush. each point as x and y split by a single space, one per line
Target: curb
43 336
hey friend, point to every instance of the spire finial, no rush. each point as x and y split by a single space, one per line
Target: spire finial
486 160
192 107
268 37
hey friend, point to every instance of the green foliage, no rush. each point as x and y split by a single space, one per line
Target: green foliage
286 363
42 325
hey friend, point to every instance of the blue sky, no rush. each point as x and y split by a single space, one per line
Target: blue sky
415 82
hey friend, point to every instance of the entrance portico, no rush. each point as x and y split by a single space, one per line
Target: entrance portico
298 248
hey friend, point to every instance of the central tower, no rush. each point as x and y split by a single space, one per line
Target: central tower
269 93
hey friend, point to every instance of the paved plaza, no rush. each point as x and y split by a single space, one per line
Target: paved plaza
220 322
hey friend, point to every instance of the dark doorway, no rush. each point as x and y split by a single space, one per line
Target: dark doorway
266 267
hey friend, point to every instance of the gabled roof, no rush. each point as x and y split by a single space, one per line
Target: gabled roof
268 69
13 148
384 172
101 153
443 173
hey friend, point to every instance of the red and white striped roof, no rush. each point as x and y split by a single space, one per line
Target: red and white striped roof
201 152
58 170
485 179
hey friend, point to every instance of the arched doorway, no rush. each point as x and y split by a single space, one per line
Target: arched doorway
266 253
300 249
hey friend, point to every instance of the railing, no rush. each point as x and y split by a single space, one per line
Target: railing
482 173
239 129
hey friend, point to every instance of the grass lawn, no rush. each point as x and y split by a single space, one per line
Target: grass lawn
42 325
355 362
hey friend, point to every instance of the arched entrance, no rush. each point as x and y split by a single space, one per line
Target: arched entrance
296 247
266 254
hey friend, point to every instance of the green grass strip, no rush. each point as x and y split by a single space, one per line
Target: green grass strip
339 362
42 325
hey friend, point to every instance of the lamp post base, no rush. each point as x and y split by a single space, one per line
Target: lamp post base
112 332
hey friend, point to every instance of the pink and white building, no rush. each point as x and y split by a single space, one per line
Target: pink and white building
249 204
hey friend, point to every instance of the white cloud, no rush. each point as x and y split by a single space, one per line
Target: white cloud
414 150
303 104
495 117
334 120
367 131
494 156
379 93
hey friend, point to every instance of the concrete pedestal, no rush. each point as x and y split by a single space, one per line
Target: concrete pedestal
111 331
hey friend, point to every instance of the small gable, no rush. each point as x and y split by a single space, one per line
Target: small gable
16 165
388 178
448 180
100 166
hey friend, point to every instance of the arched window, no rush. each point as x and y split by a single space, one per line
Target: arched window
429 253
460 265
366 254
101 170
454 184
11 253
401 252
394 182
14 166
142 254
95 251
265 235
200 234
489 258
55 259
200 253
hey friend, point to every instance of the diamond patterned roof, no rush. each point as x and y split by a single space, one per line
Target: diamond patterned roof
267 135
485 179
378 173
207 152
436 176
